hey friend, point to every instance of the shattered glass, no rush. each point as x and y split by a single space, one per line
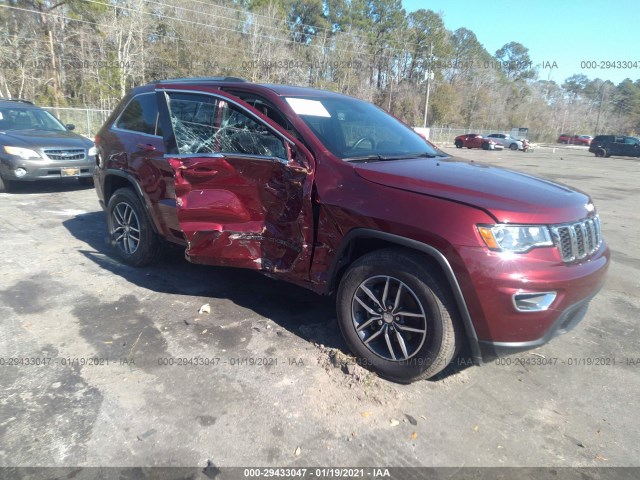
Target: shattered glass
201 127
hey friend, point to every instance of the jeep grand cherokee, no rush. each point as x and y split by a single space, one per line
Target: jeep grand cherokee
424 252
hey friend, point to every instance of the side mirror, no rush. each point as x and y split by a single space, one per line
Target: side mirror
70 126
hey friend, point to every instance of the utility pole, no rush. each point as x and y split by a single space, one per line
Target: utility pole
429 74
599 110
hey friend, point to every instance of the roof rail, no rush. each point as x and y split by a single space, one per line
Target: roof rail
201 80
21 100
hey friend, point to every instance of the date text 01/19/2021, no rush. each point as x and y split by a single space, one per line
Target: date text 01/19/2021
569 361
316 472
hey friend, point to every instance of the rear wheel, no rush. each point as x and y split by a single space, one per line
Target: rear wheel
130 230
513 146
396 316
458 144
485 146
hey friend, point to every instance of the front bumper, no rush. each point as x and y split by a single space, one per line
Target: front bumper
564 323
45 168
490 281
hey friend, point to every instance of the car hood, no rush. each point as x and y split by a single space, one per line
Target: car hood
511 197
44 139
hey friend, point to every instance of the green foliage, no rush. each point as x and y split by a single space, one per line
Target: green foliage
372 49
515 60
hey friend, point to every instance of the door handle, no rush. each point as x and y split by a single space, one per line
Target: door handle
200 172
147 147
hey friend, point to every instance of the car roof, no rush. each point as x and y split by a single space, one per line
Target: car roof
16 102
229 82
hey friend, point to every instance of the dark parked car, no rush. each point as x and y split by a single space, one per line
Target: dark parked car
621 146
474 140
35 145
425 253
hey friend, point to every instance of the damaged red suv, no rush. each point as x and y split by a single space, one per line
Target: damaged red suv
425 253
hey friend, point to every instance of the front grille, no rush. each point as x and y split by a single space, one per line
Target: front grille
578 240
68 154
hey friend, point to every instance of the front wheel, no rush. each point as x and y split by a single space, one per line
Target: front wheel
5 185
130 230
513 146
458 144
600 152
396 316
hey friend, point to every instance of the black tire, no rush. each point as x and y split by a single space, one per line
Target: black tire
125 210
600 152
485 146
458 144
425 300
5 185
513 146
86 181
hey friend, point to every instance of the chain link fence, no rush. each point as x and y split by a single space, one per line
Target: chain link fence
87 120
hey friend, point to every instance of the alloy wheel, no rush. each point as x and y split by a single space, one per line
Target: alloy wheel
126 228
389 318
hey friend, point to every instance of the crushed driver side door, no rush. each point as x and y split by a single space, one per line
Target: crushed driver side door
243 185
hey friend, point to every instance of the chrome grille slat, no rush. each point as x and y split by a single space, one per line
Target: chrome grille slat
578 240
574 242
66 154
581 234
593 242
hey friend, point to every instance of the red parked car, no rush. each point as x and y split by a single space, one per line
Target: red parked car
425 253
575 139
474 140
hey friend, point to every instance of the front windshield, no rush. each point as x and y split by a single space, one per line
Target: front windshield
353 129
16 118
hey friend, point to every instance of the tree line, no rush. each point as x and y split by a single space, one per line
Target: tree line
90 52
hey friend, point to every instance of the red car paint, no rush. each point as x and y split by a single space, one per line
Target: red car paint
306 218
474 140
575 139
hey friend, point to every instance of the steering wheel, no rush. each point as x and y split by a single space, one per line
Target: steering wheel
363 139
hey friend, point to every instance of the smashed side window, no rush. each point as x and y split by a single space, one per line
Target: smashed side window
204 124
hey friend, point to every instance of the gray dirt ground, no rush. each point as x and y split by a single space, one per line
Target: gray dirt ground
65 297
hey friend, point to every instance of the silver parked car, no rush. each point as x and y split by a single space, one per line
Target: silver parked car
507 141
35 145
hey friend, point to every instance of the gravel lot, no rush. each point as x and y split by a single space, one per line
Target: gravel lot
278 389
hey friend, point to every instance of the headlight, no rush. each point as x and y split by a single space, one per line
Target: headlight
515 238
21 152
93 151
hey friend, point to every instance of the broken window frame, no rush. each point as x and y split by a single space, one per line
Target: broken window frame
250 139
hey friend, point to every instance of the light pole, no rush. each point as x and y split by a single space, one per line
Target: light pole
599 110
429 76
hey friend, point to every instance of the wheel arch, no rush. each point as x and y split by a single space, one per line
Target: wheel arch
360 241
115 179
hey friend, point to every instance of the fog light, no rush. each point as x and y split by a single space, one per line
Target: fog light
20 172
533 302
